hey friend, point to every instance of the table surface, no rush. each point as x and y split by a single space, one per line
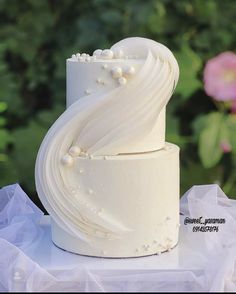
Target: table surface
52 258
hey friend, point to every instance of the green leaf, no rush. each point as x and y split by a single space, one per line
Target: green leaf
190 64
5 138
2 121
211 136
47 117
198 125
7 171
192 173
231 121
3 106
28 140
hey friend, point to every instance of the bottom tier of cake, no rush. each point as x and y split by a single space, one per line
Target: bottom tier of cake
138 191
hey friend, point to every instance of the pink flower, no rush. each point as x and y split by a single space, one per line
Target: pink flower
225 146
220 77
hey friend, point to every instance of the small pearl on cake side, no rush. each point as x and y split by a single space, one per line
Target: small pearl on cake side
99 80
116 72
90 191
146 247
73 191
107 54
74 151
97 52
122 81
129 70
100 211
104 66
67 160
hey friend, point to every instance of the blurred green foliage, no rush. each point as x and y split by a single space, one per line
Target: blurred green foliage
36 37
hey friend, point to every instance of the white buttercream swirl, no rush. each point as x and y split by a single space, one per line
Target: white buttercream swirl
106 124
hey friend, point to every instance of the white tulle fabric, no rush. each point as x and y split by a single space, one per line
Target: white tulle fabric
206 261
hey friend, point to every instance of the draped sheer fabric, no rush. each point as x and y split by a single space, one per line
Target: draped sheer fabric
203 261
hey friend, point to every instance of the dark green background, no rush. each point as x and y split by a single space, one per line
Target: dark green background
36 37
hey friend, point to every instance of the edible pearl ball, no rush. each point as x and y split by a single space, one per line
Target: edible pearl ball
67 160
104 66
84 55
118 53
90 191
122 81
129 70
97 52
74 151
107 54
116 72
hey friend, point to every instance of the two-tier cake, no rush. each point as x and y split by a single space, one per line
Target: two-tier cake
104 171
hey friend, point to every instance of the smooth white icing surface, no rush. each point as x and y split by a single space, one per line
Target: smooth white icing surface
115 107
141 191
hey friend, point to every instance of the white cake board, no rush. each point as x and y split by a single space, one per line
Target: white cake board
49 256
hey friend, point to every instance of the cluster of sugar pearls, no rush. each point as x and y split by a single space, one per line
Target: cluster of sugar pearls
102 54
68 158
83 57
122 73
117 72
108 54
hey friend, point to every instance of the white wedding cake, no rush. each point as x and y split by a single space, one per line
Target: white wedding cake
104 171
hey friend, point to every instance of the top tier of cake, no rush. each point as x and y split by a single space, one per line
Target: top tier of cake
96 74
107 70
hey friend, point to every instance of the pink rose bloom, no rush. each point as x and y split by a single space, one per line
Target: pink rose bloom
220 77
